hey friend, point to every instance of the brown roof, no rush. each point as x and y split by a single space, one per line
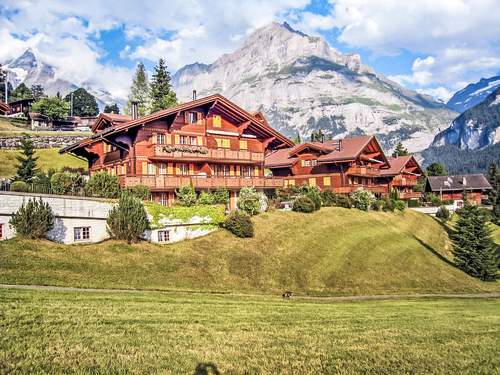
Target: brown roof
458 182
350 148
216 99
398 164
112 118
4 107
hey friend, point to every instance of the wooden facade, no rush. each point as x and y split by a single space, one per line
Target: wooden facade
4 109
452 187
209 143
345 166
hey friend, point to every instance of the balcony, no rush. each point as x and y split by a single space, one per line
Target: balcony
359 170
410 195
170 182
378 189
402 181
195 153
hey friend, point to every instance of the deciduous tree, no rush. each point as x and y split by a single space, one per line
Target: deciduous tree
84 103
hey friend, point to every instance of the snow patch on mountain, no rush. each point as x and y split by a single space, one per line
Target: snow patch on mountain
473 94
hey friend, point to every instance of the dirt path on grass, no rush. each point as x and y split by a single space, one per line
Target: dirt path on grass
301 297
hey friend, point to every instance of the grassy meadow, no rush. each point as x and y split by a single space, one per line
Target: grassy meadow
59 332
47 158
334 251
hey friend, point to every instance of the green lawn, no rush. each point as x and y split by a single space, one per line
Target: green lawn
48 158
56 332
335 251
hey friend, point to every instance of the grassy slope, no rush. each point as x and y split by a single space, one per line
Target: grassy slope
59 332
334 251
48 158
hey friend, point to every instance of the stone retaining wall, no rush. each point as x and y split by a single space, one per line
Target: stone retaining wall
52 141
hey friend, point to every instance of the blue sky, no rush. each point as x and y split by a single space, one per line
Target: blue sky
433 47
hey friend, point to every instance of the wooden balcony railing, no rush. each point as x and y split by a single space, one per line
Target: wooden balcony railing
170 182
197 153
410 195
404 181
379 189
359 170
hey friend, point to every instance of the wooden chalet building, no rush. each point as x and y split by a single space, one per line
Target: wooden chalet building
4 109
343 166
402 175
452 187
208 142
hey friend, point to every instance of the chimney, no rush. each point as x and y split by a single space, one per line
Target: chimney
340 145
194 94
135 110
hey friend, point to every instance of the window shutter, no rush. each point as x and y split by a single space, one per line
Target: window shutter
168 139
291 182
153 138
238 170
231 170
191 168
200 140
312 181
144 167
243 145
326 181
177 169
217 121
176 137
256 172
226 143
170 168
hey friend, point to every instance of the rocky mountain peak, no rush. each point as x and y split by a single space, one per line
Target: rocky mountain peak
27 60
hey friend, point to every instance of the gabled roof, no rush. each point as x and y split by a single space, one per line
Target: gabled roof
4 107
110 118
216 101
343 150
398 164
458 182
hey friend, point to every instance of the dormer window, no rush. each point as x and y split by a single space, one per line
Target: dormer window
192 117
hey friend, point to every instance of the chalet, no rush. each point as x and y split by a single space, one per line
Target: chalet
21 107
4 109
343 166
452 187
403 175
38 121
208 142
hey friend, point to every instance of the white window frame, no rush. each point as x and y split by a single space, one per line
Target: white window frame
160 138
164 235
81 234
193 117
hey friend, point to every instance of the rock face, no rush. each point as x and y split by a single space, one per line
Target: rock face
473 94
302 84
52 141
28 69
476 128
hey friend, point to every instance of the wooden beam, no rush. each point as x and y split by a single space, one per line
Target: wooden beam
266 142
243 126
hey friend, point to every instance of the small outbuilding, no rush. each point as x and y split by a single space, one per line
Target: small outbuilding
452 187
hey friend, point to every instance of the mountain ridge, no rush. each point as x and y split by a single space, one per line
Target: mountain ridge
473 94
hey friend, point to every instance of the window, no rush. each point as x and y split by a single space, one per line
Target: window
151 168
247 171
193 141
312 181
1 231
162 168
182 169
326 181
223 143
164 199
163 236
307 163
81 233
314 162
160 139
243 145
183 140
192 117
221 170
217 121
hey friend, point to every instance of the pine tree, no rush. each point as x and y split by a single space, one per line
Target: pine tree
400 150
297 139
128 220
494 193
139 91
473 246
162 95
26 170
33 220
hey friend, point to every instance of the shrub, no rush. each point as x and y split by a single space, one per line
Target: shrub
19 186
399 205
413 203
66 183
140 192
33 220
128 219
388 205
206 198
443 213
344 201
377 205
303 204
240 224
186 196
313 193
221 196
362 200
250 201
103 185
328 198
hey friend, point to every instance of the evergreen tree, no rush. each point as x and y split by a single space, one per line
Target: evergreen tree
26 169
21 92
400 150
84 104
33 220
38 92
139 91
473 247
494 193
128 220
112 108
436 169
297 139
162 95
